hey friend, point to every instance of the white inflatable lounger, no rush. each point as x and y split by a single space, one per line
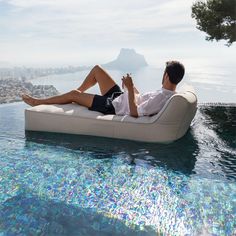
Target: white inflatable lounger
170 124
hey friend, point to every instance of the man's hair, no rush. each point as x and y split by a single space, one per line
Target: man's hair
175 70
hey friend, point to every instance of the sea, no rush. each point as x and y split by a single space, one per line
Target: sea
212 83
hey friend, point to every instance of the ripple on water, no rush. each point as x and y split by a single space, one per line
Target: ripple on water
114 192
57 184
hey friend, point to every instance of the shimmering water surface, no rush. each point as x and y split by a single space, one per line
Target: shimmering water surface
212 83
54 184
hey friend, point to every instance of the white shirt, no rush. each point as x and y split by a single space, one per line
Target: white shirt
147 104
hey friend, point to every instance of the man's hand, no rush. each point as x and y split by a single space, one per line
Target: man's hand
127 81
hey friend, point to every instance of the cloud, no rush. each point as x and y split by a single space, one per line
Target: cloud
91 16
70 26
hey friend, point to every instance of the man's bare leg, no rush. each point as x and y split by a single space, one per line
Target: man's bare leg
100 76
84 99
96 75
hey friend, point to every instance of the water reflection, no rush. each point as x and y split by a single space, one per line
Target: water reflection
207 150
220 137
178 156
222 120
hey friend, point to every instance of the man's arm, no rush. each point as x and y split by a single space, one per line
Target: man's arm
132 103
131 95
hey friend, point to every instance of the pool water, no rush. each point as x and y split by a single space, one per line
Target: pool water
56 184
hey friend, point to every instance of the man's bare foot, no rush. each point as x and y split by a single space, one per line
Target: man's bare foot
29 100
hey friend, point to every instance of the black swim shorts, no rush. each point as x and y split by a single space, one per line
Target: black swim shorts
103 103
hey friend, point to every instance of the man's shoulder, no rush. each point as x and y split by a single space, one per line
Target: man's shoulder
163 94
158 91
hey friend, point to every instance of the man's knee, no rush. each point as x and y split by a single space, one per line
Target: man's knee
75 93
97 67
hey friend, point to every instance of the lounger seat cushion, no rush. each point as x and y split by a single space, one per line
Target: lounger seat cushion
170 124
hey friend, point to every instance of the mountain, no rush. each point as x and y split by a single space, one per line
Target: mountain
127 60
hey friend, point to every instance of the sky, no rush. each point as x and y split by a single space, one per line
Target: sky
85 32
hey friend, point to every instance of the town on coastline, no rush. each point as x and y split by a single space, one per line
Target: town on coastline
15 81
12 89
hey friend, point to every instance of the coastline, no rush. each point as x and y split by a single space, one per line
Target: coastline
12 89
11 103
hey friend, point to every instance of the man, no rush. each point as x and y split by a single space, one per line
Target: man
112 100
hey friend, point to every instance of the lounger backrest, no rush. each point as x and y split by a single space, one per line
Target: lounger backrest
180 109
